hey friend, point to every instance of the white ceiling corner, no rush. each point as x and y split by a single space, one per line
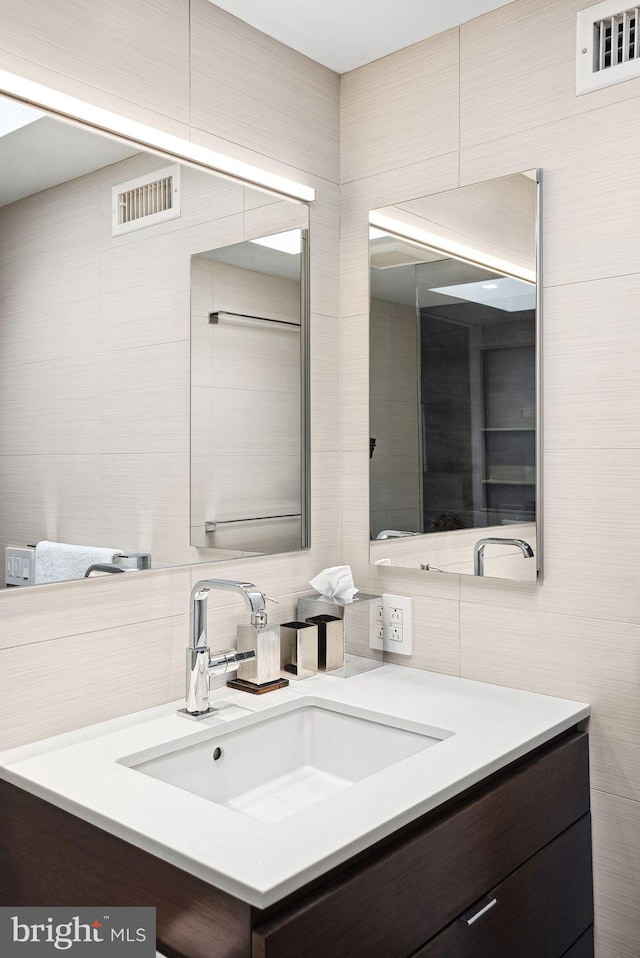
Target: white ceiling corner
345 34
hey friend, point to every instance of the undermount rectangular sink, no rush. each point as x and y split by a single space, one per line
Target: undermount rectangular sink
276 766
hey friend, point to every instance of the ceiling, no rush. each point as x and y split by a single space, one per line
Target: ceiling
345 34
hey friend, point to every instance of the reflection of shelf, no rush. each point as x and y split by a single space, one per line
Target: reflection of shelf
509 429
509 482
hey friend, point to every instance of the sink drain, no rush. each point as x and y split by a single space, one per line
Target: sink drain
217 754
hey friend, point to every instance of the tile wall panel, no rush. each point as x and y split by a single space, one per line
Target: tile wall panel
580 658
410 99
137 51
434 617
616 858
49 612
129 668
324 251
49 76
277 98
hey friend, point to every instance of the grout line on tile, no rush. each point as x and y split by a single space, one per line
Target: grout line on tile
623 798
596 279
561 120
570 615
109 628
399 169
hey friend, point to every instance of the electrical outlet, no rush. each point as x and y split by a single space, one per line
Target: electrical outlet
393 630
397 618
376 640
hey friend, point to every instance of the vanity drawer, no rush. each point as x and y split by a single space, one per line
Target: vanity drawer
391 905
541 909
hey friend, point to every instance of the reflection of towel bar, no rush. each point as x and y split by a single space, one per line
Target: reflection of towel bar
214 318
212 526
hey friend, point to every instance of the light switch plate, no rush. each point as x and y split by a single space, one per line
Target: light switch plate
19 566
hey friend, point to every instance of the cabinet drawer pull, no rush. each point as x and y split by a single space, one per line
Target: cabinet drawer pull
478 910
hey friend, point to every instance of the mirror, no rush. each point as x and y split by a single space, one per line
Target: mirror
102 249
454 381
247 418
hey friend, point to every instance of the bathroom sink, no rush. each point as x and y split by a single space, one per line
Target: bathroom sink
274 767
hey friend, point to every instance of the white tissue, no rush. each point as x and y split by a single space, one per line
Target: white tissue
336 582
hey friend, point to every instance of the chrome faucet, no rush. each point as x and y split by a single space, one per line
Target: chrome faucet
478 550
202 663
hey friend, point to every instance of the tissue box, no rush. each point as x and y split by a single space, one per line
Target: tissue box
359 621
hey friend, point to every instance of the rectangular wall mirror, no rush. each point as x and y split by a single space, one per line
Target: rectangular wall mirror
455 380
107 252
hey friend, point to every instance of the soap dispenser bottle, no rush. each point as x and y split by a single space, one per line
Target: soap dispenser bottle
261 674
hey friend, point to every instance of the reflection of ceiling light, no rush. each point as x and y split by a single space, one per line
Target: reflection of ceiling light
288 242
149 138
509 294
453 248
14 115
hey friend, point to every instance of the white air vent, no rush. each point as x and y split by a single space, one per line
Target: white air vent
607 45
148 200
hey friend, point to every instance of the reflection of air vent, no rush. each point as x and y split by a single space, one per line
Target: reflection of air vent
389 251
608 50
148 200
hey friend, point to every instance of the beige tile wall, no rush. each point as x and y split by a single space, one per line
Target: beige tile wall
76 653
577 633
467 105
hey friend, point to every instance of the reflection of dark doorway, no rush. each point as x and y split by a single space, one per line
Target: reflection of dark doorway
478 416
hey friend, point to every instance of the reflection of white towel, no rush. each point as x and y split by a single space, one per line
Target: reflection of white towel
58 561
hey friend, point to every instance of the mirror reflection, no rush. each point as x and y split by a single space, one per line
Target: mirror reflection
453 395
247 489
98 242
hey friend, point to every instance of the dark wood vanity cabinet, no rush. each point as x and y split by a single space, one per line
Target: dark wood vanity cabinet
502 870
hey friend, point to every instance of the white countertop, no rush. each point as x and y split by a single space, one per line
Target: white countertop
260 862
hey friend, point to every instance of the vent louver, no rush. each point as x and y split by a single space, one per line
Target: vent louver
145 201
608 46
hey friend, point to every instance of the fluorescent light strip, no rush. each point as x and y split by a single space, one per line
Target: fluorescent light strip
458 250
45 98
